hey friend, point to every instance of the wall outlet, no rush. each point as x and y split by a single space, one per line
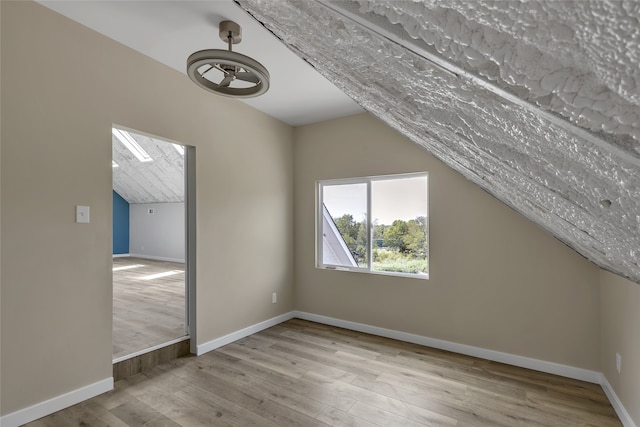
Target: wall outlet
274 298
618 362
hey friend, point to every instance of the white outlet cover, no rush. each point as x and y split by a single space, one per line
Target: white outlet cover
618 362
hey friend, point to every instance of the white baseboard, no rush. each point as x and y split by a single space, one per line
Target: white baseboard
496 356
624 416
157 258
121 255
249 330
40 410
56 404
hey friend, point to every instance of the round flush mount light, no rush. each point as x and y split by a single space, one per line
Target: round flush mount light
225 72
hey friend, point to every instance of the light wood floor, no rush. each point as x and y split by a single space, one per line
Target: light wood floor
305 374
146 312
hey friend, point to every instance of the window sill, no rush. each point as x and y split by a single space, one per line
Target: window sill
379 273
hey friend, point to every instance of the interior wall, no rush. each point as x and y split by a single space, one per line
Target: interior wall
120 225
157 235
620 333
496 280
56 153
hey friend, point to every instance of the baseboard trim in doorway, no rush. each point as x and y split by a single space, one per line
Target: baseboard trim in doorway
157 258
58 403
121 255
134 364
249 330
150 349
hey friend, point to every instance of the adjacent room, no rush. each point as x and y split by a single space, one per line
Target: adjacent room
348 213
149 289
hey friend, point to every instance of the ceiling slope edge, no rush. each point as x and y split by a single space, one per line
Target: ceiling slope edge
573 172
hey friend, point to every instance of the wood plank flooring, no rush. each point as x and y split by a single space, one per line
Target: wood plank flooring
146 311
300 373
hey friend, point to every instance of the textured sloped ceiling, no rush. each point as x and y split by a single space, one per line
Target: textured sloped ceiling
537 102
157 181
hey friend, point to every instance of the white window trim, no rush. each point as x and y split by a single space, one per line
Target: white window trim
363 180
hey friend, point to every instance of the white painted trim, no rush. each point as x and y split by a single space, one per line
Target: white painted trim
121 255
157 258
497 356
624 416
249 330
50 406
56 404
149 350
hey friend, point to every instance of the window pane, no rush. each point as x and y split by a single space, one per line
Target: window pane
400 227
344 225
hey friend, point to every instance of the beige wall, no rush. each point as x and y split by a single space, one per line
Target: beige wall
62 88
620 311
497 281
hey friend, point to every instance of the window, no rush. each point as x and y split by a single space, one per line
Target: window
375 224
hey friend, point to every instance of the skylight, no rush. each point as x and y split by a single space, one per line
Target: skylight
131 144
179 148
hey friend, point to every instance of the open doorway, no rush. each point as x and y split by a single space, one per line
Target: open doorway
150 243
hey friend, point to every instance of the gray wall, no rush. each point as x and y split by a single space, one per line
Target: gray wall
159 235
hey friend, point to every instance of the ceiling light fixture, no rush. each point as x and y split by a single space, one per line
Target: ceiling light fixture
239 76
131 144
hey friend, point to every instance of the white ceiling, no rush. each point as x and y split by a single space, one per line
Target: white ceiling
169 31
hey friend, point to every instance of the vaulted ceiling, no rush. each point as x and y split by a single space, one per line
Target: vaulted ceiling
537 102
158 180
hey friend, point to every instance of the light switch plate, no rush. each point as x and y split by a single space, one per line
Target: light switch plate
82 214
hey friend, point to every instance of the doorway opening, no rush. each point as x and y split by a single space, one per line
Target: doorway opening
152 243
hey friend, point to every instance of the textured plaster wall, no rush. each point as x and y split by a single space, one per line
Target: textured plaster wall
496 280
56 153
